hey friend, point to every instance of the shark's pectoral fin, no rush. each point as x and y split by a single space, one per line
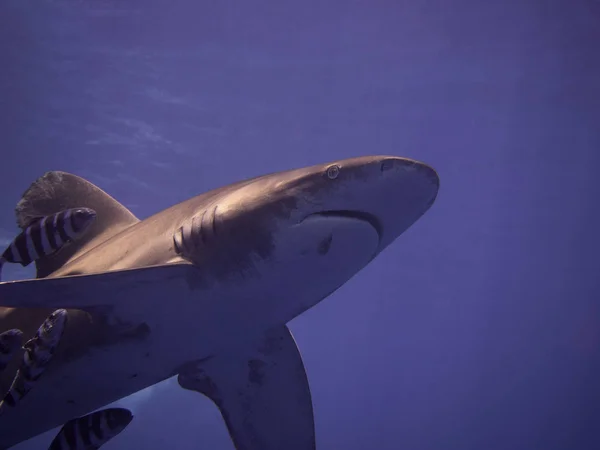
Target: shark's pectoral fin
262 393
92 431
98 289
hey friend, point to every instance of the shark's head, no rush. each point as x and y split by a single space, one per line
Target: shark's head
296 236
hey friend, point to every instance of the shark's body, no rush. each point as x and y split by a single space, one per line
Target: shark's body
203 290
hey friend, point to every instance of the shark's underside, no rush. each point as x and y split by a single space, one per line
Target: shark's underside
203 290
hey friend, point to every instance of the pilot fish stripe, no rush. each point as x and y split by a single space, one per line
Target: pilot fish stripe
41 238
40 348
38 353
10 342
91 431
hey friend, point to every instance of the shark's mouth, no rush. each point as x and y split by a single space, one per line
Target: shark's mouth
359 215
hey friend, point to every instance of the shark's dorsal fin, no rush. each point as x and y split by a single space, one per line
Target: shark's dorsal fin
56 191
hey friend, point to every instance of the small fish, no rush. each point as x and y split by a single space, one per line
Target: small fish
10 342
38 353
47 235
92 431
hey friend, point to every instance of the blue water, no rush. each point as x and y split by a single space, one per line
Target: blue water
480 327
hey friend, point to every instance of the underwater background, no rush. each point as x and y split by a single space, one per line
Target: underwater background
479 328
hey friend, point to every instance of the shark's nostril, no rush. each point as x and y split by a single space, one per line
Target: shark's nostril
325 245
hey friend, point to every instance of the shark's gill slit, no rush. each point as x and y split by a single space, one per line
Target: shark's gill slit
177 240
188 235
202 229
214 220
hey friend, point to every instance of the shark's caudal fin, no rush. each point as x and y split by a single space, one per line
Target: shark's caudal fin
56 191
262 393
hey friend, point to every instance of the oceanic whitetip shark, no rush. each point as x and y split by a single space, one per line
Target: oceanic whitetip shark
203 290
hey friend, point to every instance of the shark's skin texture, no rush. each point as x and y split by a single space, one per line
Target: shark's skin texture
10 344
204 289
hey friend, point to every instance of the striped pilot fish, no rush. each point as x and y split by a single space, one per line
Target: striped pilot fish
47 234
38 353
92 431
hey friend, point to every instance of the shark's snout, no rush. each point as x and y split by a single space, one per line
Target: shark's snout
413 185
388 192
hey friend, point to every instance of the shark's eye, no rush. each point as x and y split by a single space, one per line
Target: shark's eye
333 172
